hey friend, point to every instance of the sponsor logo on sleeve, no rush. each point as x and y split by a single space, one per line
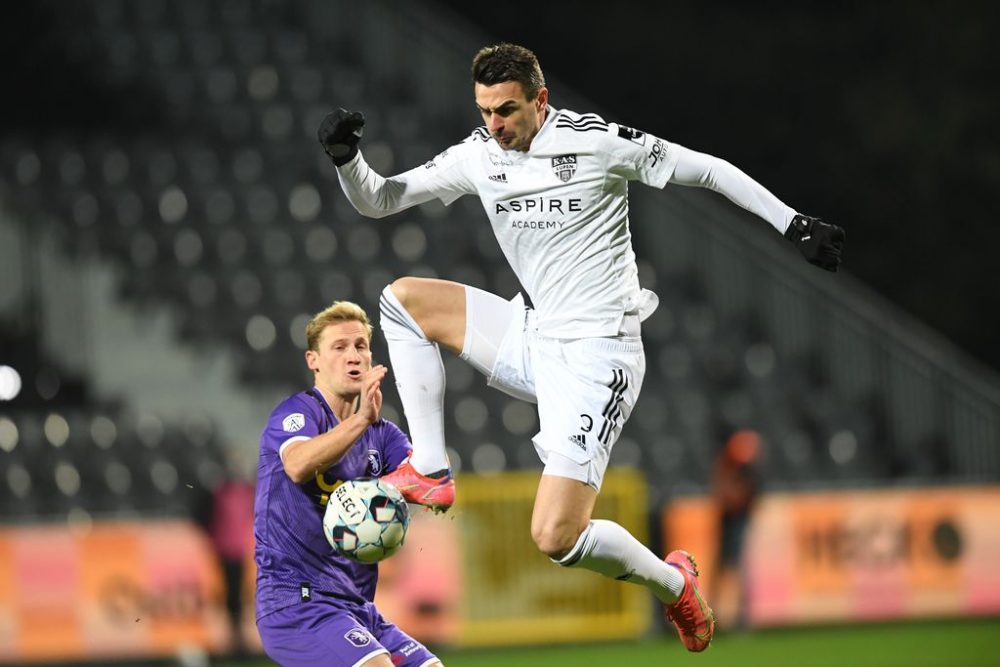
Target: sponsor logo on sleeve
658 151
632 134
430 164
293 422
409 649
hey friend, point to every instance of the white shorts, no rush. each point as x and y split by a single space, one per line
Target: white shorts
585 388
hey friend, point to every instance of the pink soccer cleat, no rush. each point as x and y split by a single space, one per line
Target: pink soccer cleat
435 491
692 616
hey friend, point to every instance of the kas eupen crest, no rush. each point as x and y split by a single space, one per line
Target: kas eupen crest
564 166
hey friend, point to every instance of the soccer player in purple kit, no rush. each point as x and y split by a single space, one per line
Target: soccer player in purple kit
314 606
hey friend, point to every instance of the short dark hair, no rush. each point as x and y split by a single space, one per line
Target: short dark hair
508 62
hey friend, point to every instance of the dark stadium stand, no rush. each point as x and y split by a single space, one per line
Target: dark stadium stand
225 209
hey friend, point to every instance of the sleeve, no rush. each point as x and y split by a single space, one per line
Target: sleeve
395 446
702 170
640 156
444 177
292 421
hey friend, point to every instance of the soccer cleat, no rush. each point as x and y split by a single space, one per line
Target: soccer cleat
435 491
692 616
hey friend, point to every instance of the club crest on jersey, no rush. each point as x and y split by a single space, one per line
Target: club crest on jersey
564 166
374 462
358 637
293 422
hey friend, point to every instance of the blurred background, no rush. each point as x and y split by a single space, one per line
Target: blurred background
829 445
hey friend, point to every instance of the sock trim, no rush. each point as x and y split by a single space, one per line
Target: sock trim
577 552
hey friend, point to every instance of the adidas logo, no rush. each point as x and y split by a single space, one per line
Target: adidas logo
499 178
579 440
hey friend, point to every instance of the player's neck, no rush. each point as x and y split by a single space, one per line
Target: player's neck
544 117
341 406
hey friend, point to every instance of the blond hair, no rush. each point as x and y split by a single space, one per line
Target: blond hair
338 311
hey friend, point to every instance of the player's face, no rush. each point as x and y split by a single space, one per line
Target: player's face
343 355
510 117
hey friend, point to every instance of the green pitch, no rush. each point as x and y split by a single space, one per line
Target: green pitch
967 643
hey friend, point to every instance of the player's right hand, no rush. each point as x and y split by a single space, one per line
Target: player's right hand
339 134
370 405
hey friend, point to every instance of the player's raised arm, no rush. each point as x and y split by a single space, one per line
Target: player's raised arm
819 242
370 193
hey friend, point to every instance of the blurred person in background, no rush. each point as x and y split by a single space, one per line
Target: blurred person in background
231 529
314 606
554 184
735 486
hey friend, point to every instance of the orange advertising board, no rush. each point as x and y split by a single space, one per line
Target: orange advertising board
110 590
850 555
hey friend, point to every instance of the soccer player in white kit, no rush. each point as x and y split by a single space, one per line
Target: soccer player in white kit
554 184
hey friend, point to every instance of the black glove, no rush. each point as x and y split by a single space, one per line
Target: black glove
819 242
339 134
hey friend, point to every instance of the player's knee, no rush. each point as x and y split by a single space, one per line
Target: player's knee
407 291
555 540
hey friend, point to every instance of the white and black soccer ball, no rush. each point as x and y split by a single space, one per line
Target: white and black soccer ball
366 520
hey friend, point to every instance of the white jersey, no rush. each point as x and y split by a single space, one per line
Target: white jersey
559 211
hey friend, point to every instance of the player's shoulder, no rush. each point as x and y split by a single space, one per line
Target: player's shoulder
462 151
590 130
573 121
300 403
587 128
299 398
480 136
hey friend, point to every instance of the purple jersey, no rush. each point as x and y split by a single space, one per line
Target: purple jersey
292 553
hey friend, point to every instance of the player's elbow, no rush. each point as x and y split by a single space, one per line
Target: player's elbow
296 471
373 212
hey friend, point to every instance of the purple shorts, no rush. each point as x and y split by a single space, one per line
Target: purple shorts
329 632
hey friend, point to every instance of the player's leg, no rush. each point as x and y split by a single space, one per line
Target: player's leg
385 661
418 314
404 650
562 528
321 631
586 391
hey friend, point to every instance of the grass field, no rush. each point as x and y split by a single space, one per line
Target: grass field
965 643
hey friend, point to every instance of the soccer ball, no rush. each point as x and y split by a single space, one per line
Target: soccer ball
366 520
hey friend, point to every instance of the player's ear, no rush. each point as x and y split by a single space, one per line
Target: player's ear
311 360
542 98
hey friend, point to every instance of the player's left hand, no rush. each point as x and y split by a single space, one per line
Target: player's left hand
371 393
819 242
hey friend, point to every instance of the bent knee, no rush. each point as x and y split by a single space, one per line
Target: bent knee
555 541
406 289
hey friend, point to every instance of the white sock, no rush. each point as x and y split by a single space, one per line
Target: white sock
607 548
419 372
